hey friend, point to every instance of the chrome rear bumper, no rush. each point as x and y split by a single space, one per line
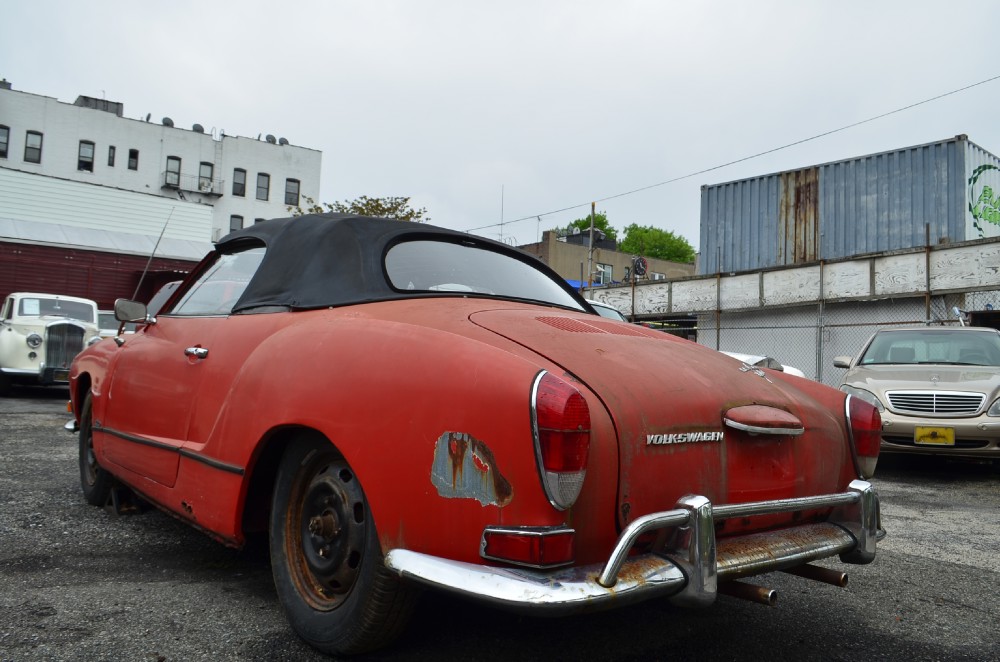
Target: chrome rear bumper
688 570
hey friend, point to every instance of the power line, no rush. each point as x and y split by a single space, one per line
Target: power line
745 158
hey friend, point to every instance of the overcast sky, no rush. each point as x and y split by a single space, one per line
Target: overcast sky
485 112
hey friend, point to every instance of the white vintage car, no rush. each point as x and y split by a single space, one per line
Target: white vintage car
39 336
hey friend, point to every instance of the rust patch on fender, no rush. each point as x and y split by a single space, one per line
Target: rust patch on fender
464 468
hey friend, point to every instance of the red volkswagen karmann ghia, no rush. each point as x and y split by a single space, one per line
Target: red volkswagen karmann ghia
403 406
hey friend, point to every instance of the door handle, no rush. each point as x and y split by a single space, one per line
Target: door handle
196 352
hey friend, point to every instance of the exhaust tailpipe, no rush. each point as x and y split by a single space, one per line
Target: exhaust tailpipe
751 592
819 574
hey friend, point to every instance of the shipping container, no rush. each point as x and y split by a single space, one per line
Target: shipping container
937 193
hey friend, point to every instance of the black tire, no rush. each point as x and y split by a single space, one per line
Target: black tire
95 481
326 558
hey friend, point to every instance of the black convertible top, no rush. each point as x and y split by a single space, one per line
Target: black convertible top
323 260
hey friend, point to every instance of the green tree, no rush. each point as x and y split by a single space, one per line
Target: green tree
653 242
390 207
600 223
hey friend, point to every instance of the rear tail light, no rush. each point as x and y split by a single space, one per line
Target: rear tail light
560 421
865 424
533 547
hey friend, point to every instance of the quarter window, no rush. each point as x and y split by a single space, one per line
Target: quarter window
4 140
111 156
240 182
85 156
205 172
263 185
221 285
173 175
235 223
133 159
33 147
292 192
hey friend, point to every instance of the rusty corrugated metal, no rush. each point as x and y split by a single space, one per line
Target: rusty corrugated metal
798 216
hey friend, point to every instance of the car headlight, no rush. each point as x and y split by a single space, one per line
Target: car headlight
862 394
994 409
34 341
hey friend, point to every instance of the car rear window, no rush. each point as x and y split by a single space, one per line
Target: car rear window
446 267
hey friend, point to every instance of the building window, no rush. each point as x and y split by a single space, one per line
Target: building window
656 275
263 185
85 156
33 147
4 140
602 275
205 172
239 182
235 223
292 192
173 175
133 159
111 156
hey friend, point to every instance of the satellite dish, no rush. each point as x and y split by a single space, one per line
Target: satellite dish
271 139
167 121
147 116
282 141
198 128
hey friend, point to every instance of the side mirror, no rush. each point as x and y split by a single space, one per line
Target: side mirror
131 311
842 361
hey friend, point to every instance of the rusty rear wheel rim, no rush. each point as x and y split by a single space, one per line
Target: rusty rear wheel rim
327 526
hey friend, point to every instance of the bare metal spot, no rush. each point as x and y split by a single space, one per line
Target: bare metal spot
464 468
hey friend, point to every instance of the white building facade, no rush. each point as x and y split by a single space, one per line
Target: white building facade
212 183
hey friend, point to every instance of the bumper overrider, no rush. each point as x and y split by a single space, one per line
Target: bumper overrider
688 570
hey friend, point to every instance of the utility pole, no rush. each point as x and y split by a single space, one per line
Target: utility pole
590 253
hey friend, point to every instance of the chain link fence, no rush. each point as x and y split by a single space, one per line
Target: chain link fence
808 337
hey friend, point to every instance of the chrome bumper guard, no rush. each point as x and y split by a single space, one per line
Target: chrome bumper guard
688 569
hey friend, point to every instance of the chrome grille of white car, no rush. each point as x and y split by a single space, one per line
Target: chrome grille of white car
63 342
942 403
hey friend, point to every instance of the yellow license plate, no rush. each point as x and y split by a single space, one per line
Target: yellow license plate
934 436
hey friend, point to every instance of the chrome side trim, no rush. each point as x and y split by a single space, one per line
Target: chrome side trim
688 570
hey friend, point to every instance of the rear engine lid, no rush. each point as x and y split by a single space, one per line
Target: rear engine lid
690 420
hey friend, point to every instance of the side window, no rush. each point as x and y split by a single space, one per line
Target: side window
4 140
172 177
292 192
133 159
263 185
85 156
220 285
239 182
33 147
603 275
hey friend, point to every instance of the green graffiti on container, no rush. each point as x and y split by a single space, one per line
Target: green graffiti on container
984 207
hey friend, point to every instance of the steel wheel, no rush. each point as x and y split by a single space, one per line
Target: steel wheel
95 481
328 510
326 558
